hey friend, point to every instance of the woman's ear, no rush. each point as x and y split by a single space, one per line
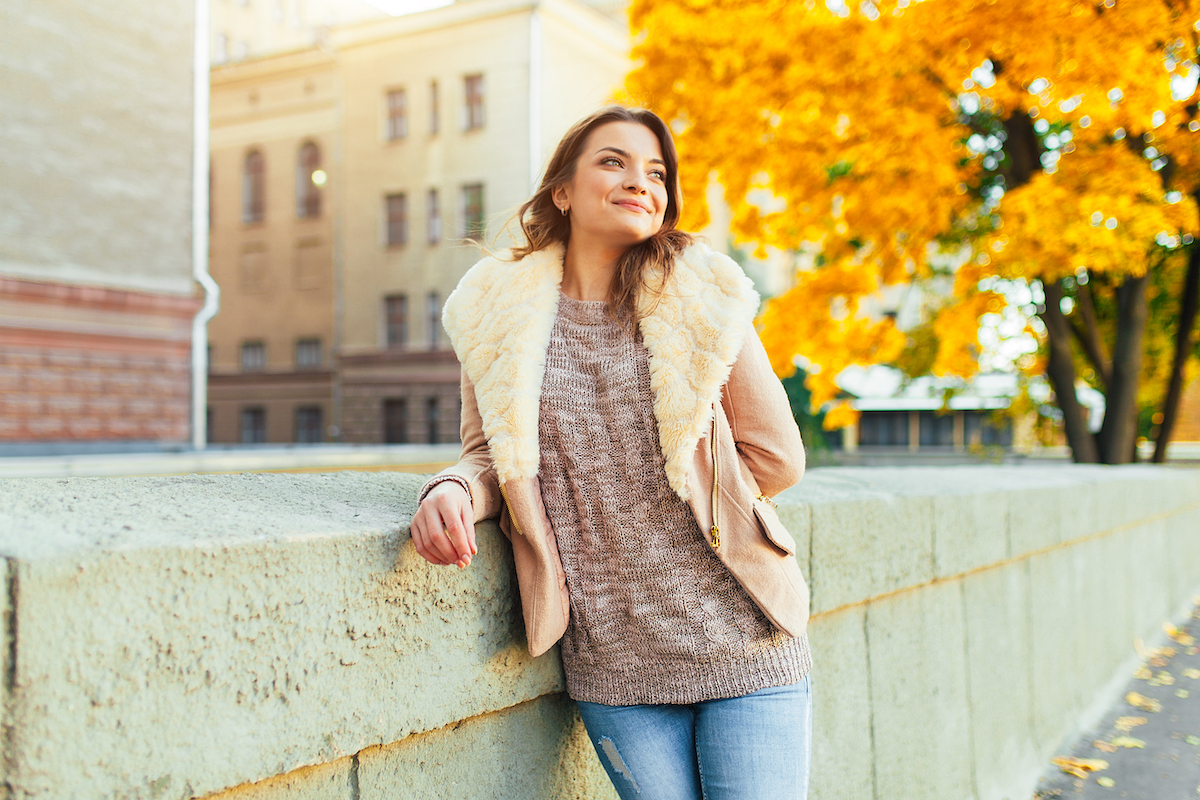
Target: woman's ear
559 195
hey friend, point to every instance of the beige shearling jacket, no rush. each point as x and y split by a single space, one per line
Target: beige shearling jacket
709 375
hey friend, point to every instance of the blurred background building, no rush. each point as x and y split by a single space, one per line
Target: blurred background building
345 177
96 289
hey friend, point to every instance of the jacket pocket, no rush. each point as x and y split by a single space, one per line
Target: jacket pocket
772 527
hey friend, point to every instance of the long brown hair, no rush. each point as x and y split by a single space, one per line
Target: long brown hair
543 223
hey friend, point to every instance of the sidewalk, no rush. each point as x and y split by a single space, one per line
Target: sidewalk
1147 745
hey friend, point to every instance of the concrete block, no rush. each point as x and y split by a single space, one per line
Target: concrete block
1056 633
514 753
1149 568
842 752
969 531
287 618
334 781
996 620
917 657
797 518
1035 518
867 547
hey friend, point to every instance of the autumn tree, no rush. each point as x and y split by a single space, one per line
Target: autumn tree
1053 143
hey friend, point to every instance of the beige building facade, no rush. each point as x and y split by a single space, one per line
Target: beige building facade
246 29
431 127
97 297
274 126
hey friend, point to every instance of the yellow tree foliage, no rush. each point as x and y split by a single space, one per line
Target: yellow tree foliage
857 127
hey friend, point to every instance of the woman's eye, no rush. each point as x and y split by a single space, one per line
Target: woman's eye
658 173
611 160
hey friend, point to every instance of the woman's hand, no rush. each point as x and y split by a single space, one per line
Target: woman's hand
443 528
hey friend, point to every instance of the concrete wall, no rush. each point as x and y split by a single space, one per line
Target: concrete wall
96 168
276 636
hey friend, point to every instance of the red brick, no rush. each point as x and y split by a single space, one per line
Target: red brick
84 427
65 359
21 404
45 426
65 404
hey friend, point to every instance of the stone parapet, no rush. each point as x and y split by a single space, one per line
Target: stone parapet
276 636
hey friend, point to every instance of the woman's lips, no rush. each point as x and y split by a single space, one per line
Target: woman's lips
633 205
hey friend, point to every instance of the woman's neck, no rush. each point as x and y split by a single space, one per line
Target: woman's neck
588 270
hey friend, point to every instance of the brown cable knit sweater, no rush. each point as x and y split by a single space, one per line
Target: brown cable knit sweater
655 616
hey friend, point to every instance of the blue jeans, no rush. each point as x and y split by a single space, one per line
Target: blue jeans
754 747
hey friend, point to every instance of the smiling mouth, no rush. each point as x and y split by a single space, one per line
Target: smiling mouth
633 205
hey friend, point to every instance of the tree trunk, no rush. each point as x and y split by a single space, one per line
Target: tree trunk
1118 434
1183 348
1061 371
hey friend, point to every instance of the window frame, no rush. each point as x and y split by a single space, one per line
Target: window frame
254 187
474 94
395 226
395 124
308 194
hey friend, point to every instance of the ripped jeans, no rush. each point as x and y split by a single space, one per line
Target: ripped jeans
754 747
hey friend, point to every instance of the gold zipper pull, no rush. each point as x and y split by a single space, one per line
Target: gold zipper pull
767 500
716 536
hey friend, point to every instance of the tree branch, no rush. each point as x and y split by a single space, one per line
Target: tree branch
1118 434
1089 336
1061 371
1183 346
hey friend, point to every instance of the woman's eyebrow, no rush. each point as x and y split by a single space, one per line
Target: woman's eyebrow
621 152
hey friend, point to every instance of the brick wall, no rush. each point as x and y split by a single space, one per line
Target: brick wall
88 364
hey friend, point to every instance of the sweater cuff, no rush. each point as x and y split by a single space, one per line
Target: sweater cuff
434 481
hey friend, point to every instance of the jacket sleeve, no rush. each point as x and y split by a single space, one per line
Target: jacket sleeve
760 417
475 463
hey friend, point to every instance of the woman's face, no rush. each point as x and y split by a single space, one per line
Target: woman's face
619 192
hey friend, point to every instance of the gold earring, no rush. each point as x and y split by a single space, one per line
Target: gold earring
563 209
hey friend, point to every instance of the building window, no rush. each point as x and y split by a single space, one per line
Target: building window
473 118
309 180
883 428
396 208
308 425
434 307
254 356
395 421
433 108
253 188
471 212
397 115
308 354
254 425
434 217
209 434
396 314
431 420
936 430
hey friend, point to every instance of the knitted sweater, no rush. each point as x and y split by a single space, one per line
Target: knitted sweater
655 616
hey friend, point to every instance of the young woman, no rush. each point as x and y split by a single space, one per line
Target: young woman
621 419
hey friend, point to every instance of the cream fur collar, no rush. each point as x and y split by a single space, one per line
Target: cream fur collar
500 317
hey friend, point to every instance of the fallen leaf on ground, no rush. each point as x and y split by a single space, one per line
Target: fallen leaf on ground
1129 723
1194 741
1128 742
1181 636
1163 678
1107 747
1143 673
1144 703
1182 693
1079 767
1106 782
1192 672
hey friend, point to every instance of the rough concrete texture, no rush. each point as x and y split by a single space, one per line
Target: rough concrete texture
333 781
276 636
842 758
536 749
286 618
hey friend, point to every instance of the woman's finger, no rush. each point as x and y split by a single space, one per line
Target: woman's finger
429 539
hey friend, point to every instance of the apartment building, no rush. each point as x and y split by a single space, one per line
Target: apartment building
429 129
246 29
274 125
